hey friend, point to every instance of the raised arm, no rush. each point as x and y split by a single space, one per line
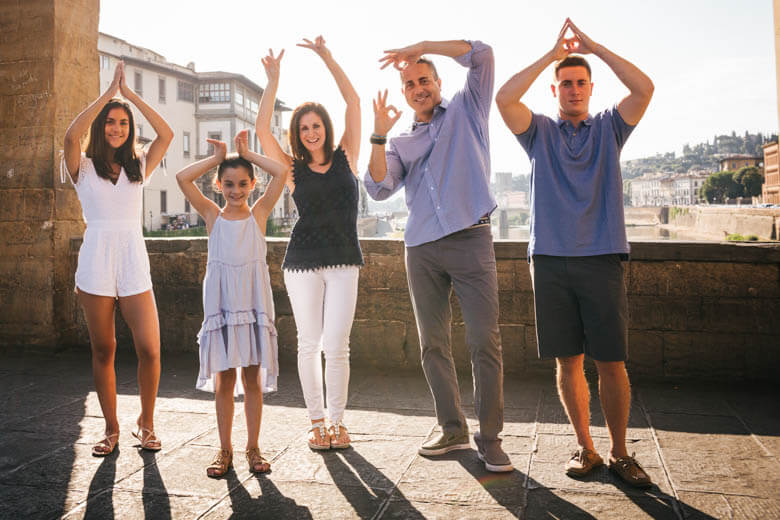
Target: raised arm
269 143
516 114
385 116
350 141
402 57
278 171
633 106
164 133
79 126
186 179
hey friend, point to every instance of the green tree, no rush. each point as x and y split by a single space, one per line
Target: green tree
721 186
750 178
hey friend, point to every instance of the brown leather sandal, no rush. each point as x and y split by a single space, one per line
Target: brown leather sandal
257 463
106 446
222 462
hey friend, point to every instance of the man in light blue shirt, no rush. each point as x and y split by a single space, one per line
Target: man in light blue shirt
443 163
578 237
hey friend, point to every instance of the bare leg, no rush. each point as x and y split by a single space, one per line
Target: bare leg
615 396
253 409
99 313
224 382
253 404
575 396
140 314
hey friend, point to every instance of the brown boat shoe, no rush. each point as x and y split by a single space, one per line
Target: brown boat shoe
582 462
630 472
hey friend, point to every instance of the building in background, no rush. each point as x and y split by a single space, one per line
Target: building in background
667 189
197 106
770 191
735 162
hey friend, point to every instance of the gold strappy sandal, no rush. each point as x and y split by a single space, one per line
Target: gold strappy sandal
222 462
257 463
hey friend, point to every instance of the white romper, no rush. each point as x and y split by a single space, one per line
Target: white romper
112 259
238 307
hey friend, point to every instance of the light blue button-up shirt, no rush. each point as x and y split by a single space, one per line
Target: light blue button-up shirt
444 165
576 186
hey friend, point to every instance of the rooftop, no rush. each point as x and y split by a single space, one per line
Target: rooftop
711 449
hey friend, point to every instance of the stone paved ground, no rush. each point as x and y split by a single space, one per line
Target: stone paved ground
712 449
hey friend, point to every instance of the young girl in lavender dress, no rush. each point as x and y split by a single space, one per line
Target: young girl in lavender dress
238 323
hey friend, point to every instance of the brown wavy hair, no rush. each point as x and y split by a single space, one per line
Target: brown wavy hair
299 151
102 154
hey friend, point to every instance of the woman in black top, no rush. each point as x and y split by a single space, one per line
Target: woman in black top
323 256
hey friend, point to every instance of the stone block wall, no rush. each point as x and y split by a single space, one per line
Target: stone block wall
48 74
703 310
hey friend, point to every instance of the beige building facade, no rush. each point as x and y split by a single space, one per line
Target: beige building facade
197 106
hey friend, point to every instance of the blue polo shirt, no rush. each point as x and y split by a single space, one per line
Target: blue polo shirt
576 185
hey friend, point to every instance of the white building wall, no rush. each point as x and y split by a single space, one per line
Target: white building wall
180 115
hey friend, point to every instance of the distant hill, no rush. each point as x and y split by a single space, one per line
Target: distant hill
703 156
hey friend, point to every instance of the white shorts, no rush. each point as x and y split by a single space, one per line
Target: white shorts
113 259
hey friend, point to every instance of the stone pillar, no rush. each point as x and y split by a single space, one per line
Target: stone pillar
48 73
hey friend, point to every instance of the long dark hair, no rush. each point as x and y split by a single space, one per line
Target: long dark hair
299 151
101 154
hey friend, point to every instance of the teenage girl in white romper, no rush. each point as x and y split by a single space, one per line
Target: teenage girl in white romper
113 264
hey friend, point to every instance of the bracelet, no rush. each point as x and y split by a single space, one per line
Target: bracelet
378 139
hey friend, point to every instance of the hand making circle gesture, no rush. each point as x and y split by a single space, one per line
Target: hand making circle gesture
385 116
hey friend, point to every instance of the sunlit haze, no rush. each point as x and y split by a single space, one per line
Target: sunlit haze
712 62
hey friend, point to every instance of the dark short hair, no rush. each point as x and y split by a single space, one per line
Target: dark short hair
100 152
299 152
235 161
572 61
423 59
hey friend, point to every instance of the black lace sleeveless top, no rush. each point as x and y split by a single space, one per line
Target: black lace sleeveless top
326 232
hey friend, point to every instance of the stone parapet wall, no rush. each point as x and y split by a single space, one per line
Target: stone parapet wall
718 221
704 310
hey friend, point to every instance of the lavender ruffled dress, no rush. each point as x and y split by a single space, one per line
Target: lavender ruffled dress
238 325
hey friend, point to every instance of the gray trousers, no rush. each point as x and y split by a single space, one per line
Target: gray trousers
466 262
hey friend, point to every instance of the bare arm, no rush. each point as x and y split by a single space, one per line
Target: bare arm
350 141
186 179
516 114
269 143
164 133
82 122
633 106
385 116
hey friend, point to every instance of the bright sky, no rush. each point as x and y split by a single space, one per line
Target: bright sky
712 61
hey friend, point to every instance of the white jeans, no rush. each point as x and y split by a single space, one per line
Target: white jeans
323 304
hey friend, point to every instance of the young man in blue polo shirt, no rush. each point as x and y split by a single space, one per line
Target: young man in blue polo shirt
578 237
443 163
